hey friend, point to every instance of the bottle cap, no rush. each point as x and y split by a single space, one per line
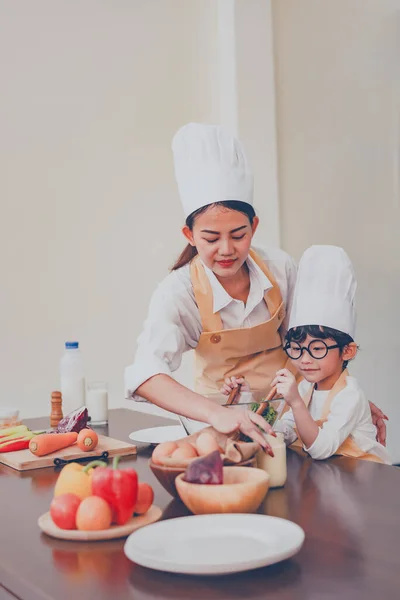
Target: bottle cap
71 345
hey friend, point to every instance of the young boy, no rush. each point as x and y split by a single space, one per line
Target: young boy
329 413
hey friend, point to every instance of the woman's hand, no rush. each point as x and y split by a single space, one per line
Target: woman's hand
286 385
231 383
227 420
377 419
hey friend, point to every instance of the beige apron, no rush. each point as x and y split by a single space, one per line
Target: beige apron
253 352
349 448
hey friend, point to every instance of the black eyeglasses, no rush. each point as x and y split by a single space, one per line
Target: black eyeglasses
316 349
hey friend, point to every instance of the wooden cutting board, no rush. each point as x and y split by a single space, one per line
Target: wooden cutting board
23 460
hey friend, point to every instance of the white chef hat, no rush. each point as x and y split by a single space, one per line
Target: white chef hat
210 166
325 290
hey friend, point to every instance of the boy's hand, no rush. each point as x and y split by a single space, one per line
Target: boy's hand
233 382
286 385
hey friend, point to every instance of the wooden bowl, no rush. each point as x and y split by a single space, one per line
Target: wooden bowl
243 491
167 475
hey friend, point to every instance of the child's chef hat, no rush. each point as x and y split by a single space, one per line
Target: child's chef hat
210 166
325 290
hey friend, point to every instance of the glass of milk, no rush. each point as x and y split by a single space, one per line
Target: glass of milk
97 402
275 465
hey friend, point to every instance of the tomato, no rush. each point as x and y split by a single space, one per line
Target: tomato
63 510
145 498
94 513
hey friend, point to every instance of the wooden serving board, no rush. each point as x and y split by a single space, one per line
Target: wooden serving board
23 460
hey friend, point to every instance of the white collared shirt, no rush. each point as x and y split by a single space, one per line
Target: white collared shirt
350 415
173 325
238 311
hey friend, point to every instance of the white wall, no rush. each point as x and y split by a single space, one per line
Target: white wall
256 109
92 93
338 99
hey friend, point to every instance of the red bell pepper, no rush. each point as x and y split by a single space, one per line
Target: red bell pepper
118 487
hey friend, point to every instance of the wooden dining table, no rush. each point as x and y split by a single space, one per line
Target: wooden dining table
347 508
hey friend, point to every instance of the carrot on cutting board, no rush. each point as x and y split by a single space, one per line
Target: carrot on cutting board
46 443
87 440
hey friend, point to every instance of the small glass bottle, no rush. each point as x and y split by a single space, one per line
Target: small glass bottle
56 409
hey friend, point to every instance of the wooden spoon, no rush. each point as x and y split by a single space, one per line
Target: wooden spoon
234 395
264 404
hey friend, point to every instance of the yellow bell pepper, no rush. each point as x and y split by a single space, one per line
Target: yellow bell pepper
76 479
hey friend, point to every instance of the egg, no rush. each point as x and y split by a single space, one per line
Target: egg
162 450
206 444
184 451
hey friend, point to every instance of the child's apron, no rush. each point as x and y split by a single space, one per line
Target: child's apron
253 352
349 447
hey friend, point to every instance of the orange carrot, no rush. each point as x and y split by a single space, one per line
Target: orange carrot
87 440
46 443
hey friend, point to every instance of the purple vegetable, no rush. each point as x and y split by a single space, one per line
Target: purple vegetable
206 469
74 421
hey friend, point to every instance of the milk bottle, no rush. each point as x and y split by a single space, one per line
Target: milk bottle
72 378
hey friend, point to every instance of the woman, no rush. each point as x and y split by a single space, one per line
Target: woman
223 299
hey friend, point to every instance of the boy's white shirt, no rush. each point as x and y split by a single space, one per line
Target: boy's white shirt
350 414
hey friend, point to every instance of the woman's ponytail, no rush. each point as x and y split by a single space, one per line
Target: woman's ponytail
187 254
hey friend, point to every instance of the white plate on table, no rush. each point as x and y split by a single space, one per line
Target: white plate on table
156 435
214 544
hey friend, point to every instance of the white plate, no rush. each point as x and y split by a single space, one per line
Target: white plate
156 435
214 544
